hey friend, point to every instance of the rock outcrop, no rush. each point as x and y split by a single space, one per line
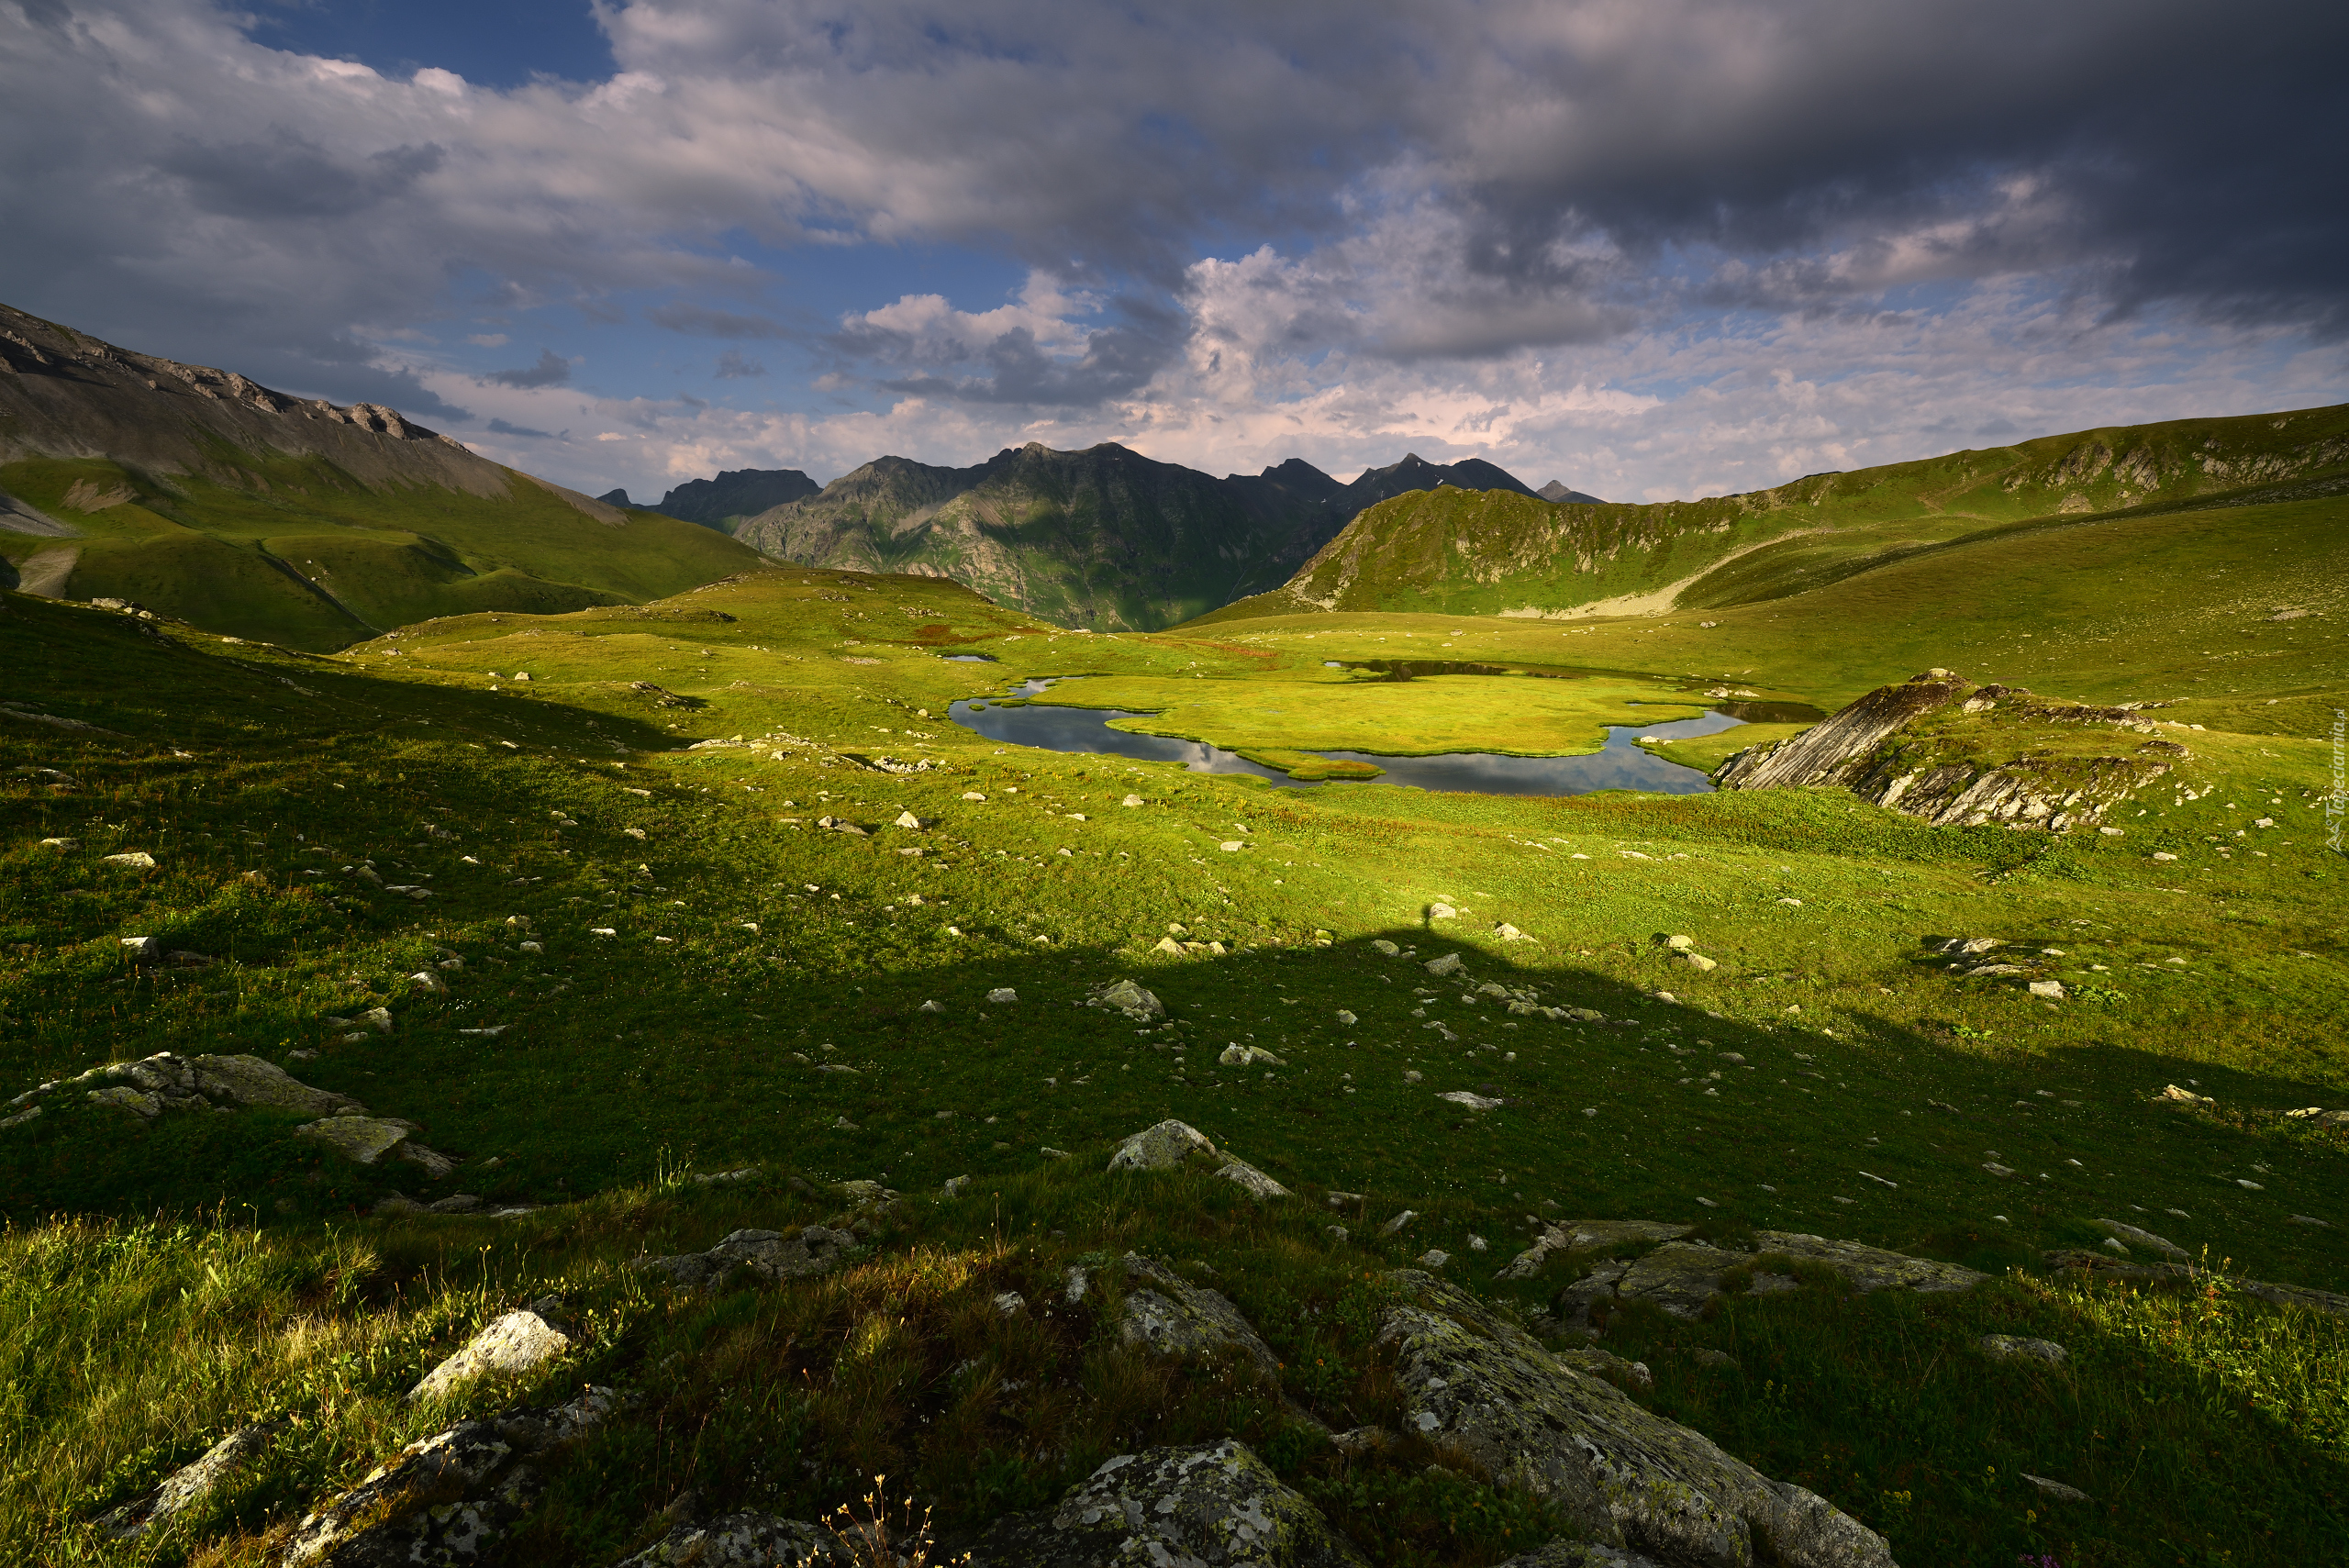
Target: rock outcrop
1207 1504
1939 747
448 1498
1628 1477
765 1256
1680 1276
746 1541
522 1341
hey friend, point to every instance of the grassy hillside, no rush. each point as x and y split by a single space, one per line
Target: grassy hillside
245 511
1496 553
293 551
752 949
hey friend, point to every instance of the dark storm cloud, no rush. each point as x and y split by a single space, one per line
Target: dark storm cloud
551 370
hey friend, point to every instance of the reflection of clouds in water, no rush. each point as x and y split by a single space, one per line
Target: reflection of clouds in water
1619 764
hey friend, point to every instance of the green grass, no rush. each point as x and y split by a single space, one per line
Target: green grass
294 551
628 1057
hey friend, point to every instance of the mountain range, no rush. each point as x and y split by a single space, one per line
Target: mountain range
206 496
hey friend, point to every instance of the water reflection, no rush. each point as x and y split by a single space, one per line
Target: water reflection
1619 764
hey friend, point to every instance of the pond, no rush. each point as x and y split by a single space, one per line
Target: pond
1621 764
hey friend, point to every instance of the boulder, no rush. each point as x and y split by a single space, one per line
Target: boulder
1238 1055
1168 1316
1624 1475
1472 1101
1164 1147
190 1483
1209 1503
768 1256
1679 1276
447 1499
1381 945
519 1341
746 1541
1129 999
365 1139
1448 964
1003 994
1259 1186
2145 1238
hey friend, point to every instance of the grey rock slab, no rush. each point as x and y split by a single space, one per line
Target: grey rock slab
249 1081
746 1541
1260 1186
365 1139
1584 1233
1173 1508
144 1106
1870 1268
1679 1276
1628 1478
2133 1237
2056 1490
444 1499
768 1256
190 1483
519 1341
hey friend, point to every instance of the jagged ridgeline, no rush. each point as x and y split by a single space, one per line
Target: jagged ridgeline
1490 552
208 497
1103 537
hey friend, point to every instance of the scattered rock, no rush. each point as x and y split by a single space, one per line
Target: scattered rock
1238 1055
135 860
1211 1503
1627 1477
2013 1347
1434 1258
427 981
1472 1101
1164 1147
2175 1096
1003 994
1510 933
767 1256
1448 964
190 1483
1395 1226
1168 1316
2050 990
519 1341
1441 912
1680 944
1346 1019
1695 961
446 1498
1381 945
907 819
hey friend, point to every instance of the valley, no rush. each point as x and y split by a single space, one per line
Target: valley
699 987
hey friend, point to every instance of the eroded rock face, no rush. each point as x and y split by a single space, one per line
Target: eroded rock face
1910 747
1211 1504
745 1540
767 1256
1628 1477
446 1500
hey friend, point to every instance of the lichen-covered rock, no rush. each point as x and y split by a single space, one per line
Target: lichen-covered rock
1584 1233
365 1138
1867 1268
1131 999
519 1341
1626 1476
767 1256
191 1483
1166 1314
443 1500
745 1540
168 1080
1581 1554
1168 1146
1201 1506
1679 1276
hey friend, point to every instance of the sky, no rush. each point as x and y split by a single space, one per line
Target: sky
1655 249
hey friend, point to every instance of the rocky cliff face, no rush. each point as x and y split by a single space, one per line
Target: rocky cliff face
737 493
1940 747
66 394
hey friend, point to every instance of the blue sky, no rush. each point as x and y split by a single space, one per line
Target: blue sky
1681 248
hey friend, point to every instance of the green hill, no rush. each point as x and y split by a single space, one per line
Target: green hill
1495 552
215 501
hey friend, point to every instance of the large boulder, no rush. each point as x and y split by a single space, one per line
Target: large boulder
1209 1503
1169 1316
1628 1477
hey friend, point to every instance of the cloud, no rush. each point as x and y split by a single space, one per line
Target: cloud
551 370
488 339
500 428
702 321
732 366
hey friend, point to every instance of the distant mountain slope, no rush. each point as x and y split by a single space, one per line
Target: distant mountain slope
1498 552
1103 537
206 496
737 492
1557 491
